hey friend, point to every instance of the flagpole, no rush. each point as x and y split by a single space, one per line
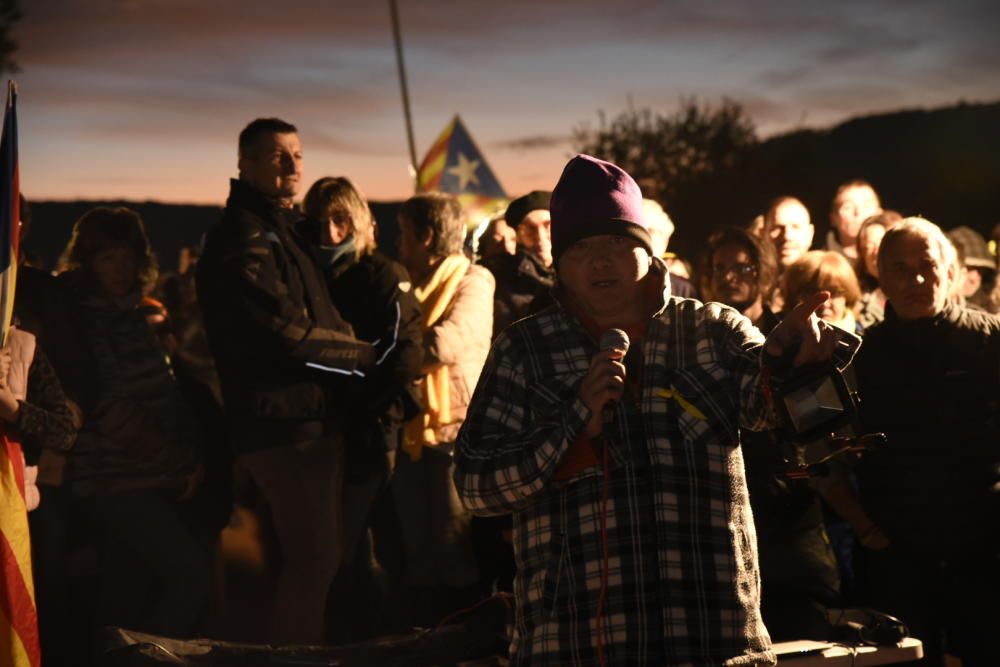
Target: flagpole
398 41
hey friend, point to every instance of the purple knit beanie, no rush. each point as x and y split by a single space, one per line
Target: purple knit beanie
595 197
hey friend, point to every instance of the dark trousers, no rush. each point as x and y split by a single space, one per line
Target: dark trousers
435 526
440 574
153 576
303 485
951 606
799 581
364 583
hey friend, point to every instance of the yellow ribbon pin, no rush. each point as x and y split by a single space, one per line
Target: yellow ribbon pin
683 402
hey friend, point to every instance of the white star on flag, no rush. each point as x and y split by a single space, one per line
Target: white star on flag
465 170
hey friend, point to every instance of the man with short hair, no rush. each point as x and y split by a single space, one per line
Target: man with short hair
527 275
789 227
854 202
281 349
929 378
634 539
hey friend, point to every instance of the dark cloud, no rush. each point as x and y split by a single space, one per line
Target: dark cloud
532 143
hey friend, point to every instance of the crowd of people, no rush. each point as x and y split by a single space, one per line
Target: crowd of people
425 426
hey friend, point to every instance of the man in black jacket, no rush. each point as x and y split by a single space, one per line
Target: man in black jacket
929 377
282 352
528 274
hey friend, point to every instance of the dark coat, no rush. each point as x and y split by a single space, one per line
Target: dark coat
138 432
283 352
933 387
375 295
521 279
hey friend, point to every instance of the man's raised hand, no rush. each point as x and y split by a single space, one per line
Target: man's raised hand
801 329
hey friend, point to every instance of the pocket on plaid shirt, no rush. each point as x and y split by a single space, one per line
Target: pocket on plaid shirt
549 397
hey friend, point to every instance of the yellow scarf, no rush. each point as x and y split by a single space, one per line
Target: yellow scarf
435 296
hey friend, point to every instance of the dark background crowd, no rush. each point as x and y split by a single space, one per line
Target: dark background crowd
258 445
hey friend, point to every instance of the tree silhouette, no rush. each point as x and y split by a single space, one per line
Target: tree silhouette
693 162
10 13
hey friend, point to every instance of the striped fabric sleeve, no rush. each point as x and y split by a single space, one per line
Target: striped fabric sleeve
505 454
740 346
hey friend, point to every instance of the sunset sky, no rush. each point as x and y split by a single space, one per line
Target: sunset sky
143 99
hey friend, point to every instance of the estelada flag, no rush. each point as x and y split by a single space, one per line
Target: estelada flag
454 164
18 617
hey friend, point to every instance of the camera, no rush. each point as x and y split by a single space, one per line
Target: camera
820 418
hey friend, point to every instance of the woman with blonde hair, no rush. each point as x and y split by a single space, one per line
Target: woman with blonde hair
819 270
373 294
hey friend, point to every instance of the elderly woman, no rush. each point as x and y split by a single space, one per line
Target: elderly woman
138 451
830 271
456 301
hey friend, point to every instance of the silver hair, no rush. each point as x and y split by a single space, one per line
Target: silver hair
917 227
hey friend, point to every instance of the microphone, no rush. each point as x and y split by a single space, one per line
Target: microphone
614 339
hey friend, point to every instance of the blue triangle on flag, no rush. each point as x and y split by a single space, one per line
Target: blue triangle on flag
465 168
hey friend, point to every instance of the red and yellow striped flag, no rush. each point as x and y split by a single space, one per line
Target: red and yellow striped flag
19 646
454 164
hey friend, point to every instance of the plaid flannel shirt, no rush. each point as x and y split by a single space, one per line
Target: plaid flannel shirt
683 581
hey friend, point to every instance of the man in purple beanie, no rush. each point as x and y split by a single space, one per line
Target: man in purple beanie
621 463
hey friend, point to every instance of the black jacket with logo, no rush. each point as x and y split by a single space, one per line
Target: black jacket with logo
283 351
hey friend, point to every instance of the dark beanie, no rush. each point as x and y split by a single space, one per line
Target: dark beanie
522 206
595 197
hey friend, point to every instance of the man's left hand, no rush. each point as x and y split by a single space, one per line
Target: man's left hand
802 329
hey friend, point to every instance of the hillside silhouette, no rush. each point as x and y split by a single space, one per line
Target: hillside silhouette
943 164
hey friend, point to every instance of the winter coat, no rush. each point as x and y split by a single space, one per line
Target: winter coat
375 295
461 340
138 432
520 281
932 385
283 353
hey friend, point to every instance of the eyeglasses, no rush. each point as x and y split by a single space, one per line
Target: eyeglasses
743 270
